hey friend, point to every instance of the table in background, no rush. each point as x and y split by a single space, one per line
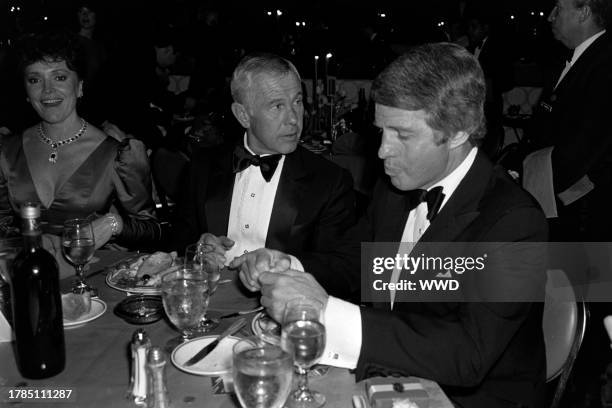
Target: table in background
97 357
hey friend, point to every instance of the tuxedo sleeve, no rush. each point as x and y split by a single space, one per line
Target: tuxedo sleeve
332 256
458 343
185 227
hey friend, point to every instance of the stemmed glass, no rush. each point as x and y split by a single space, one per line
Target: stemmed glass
185 299
196 259
303 336
78 245
262 373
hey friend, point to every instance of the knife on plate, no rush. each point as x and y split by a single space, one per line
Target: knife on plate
237 325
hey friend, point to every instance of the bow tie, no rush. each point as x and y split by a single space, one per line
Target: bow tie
433 198
267 164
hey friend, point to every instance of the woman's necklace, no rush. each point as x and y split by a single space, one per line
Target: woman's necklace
55 145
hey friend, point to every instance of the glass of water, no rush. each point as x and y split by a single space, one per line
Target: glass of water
303 336
185 299
262 373
196 259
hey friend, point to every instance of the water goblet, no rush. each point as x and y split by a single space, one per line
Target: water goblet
262 373
303 336
78 245
196 259
185 299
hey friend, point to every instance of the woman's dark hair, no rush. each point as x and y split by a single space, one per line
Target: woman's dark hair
52 46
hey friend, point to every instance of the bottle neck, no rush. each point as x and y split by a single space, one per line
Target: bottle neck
32 235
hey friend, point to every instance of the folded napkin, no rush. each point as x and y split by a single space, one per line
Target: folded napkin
538 180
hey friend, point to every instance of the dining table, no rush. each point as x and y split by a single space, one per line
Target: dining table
98 357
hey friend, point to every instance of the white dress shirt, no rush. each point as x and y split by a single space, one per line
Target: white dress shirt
343 319
578 51
251 209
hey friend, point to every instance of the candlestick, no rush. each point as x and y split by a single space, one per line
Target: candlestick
327 57
315 93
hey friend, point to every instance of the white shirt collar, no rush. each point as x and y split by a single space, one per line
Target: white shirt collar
450 183
248 149
579 50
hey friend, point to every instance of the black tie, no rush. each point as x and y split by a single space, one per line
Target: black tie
244 159
433 198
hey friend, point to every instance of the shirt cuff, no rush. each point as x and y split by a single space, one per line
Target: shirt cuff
296 264
343 334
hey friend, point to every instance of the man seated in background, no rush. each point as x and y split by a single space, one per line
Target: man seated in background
441 188
267 191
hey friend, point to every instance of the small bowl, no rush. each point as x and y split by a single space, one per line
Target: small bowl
140 309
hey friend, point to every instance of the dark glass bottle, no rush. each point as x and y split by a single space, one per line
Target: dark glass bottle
37 305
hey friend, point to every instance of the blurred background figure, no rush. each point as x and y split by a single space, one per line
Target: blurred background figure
95 49
495 57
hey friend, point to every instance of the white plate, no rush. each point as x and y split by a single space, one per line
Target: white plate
266 328
115 280
217 362
98 307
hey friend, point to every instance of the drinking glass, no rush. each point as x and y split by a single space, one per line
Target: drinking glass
262 373
78 245
303 336
196 259
185 299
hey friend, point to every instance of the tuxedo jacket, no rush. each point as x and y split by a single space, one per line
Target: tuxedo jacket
313 207
575 117
482 354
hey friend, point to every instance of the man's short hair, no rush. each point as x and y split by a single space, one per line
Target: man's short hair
444 80
601 9
255 64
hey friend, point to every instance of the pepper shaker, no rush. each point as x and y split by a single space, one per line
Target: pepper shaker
157 392
138 379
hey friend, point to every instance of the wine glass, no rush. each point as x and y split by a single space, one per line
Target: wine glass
262 373
196 259
303 336
185 299
78 245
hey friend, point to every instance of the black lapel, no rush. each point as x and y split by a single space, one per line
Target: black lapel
289 195
218 194
582 65
462 207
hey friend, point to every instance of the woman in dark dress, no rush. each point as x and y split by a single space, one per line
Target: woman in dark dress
71 168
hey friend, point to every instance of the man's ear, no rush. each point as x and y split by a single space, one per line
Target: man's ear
241 114
458 139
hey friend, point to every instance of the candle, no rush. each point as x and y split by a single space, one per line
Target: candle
327 57
315 83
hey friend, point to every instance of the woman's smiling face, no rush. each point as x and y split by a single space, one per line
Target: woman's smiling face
53 90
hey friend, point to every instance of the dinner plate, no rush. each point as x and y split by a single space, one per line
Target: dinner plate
266 328
116 279
217 362
98 307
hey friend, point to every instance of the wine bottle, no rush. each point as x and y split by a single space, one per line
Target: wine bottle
37 305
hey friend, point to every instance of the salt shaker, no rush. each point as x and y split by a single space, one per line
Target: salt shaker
138 379
157 393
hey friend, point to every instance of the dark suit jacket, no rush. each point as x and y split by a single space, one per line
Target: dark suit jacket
483 354
575 119
314 205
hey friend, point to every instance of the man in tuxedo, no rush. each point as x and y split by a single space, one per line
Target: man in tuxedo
440 189
573 118
267 193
